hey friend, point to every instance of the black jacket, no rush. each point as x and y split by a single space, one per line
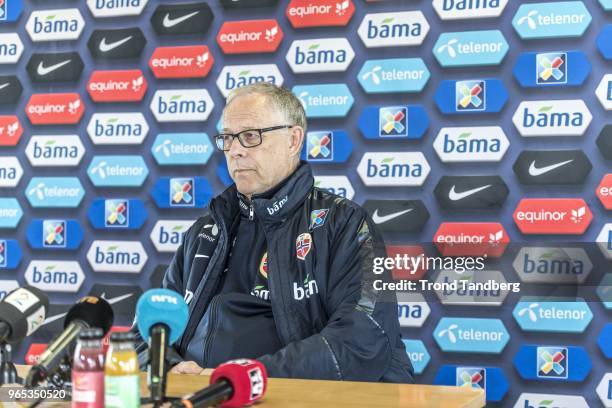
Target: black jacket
337 328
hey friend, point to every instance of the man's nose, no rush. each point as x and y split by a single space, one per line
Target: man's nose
236 149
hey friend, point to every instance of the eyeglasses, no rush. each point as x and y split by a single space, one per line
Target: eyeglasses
247 138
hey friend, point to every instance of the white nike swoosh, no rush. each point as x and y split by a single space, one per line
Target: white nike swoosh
106 47
535 171
42 70
380 219
111 301
4 85
454 196
51 319
202 256
171 22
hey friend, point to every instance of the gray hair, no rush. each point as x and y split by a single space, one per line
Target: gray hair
281 98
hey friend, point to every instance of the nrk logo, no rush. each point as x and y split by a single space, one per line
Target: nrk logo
54 234
117 128
393 29
117 171
552 362
52 192
393 169
325 101
468 10
167 235
470 48
117 256
10 10
471 96
552 216
181 105
379 122
55 109
10 130
181 192
393 75
11 48
249 36
553 19
106 8
471 335
10 171
10 89
186 18
10 258
566 68
55 276
182 148
55 151
57 67
117 86
10 212
119 43
338 185
235 76
472 377
553 265
117 213
320 55
471 239
190 61
55 25
552 118
323 13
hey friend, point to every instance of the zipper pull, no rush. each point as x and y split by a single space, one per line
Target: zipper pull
251 215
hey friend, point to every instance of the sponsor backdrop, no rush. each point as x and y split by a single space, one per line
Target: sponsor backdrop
452 121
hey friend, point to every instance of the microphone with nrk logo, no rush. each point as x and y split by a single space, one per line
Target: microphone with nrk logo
161 316
22 312
236 383
88 312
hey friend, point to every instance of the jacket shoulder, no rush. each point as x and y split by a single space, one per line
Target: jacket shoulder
342 206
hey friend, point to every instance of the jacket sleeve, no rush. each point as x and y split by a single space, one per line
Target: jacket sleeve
361 341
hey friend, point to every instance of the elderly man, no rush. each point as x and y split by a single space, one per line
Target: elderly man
279 270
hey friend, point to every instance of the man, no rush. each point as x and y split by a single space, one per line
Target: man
279 270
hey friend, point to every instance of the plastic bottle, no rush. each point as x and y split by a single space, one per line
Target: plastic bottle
122 374
88 370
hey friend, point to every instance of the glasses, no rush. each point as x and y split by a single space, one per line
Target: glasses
247 138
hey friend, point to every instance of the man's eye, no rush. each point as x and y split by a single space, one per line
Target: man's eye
250 136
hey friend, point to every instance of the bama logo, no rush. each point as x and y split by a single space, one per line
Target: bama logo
306 289
55 109
190 61
550 20
471 96
167 235
249 36
471 239
325 101
552 216
10 171
236 76
116 8
530 400
55 151
553 265
55 25
471 335
469 9
55 276
117 86
453 292
393 75
320 55
470 48
338 185
604 390
117 213
322 13
412 309
560 68
561 315
181 105
181 149
604 240
117 171
604 92
552 363
552 118
117 128
116 256
10 130
11 48
393 169
393 29
54 192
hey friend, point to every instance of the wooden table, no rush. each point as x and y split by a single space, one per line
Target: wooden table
287 393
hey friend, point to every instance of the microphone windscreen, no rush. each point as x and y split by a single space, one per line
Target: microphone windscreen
24 310
94 311
162 306
248 378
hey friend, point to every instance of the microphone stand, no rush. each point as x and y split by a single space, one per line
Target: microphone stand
60 379
8 372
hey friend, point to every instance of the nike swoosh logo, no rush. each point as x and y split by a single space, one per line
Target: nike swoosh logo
538 171
171 22
455 196
106 47
202 256
42 70
4 85
380 219
111 301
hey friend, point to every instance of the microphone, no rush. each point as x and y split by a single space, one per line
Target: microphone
89 311
22 312
161 316
236 383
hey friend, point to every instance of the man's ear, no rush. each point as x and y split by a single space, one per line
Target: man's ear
296 141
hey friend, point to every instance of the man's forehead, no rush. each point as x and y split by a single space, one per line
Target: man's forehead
249 111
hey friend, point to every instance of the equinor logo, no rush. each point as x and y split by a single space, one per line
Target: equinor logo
552 19
471 335
468 48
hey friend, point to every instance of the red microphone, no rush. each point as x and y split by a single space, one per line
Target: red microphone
236 383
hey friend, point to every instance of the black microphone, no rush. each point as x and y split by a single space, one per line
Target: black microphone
22 312
90 311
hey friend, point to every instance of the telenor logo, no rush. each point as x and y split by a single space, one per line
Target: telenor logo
117 86
114 8
552 216
11 48
552 118
418 355
320 55
249 36
471 335
236 76
55 151
393 75
10 212
191 61
338 185
393 29
554 265
393 169
167 235
181 105
55 276
117 256
116 44
471 239
553 19
55 25
470 48
565 315
468 10
324 101
54 192
55 109
117 171
190 18
117 128
304 13
182 149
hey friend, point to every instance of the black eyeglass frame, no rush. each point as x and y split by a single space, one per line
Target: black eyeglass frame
220 138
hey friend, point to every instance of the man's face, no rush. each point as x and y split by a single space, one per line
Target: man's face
257 169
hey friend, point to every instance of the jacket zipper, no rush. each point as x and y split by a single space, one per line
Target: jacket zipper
212 327
251 215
